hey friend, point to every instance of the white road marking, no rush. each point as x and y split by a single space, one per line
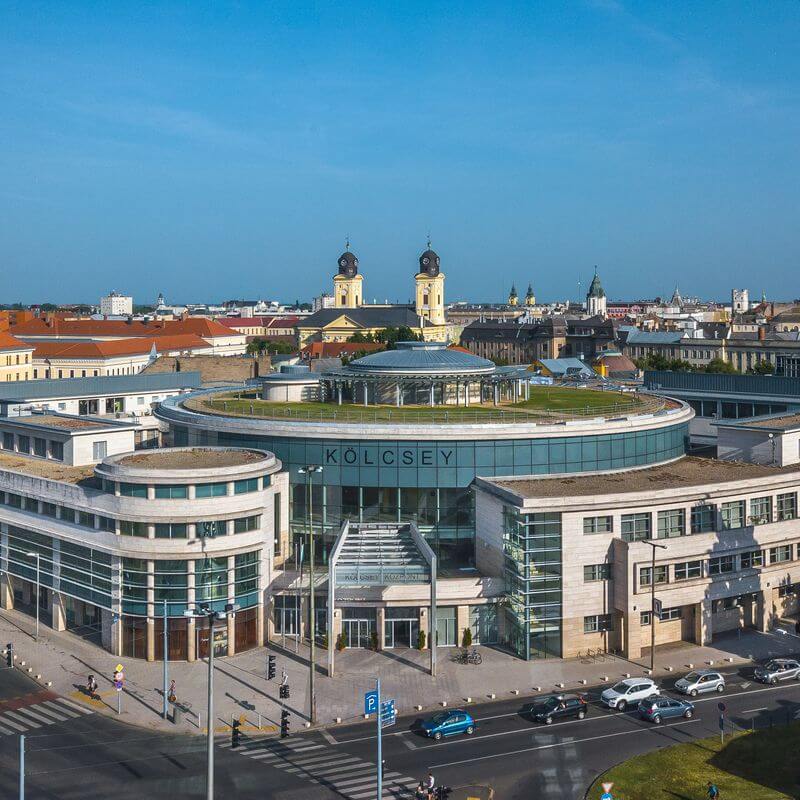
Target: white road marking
753 710
327 737
14 715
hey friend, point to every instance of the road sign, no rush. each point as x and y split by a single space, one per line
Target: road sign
370 702
607 791
388 714
119 668
722 722
721 707
657 606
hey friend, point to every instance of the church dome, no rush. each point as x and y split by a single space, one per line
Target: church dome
348 264
429 263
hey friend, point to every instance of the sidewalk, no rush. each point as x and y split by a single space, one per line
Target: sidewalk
241 690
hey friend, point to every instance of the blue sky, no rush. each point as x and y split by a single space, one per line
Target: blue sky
214 150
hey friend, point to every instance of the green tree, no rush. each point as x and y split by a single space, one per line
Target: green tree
763 367
391 336
360 338
717 365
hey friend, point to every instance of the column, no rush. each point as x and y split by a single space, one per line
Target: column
424 618
764 610
6 587
59 615
632 635
496 393
366 393
339 392
431 394
380 619
397 394
112 620
466 393
231 620
462 622
191 626
702 622
151 623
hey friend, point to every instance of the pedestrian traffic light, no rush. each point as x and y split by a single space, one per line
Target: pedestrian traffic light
284 724
270 667
10 654
235 733
284 691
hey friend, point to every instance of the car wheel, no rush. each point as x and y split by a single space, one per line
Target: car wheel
773 681
657 719
720 687
470 730
437 736
622 705
693 693
688 713
581 714
548 721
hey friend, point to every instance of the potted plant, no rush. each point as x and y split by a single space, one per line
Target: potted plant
421 640
466 638
373 641
341 642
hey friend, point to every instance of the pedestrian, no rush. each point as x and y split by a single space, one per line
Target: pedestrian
430 785
421 793
713 791
91 687
797 626
171 696
284 676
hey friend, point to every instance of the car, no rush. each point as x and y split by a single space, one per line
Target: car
778 669
699 681
629 691
557 706
657 708
449 723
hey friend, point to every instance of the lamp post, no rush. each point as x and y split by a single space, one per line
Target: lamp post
205 611
309 471
654 545
166 657
38 557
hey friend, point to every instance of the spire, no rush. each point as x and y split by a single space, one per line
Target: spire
429 240
347 243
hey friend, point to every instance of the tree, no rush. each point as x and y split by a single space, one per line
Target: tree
259 346
360 338
391 336
763 367
717 365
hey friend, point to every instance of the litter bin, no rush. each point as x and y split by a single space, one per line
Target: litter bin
177 713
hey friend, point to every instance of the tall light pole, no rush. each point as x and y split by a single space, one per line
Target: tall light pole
654 545
36 555
309 471
205 611
166 658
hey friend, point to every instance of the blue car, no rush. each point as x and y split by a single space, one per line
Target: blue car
656 708
449 723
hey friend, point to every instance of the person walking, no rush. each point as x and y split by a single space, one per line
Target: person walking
430 785
713 791
91 687
171 696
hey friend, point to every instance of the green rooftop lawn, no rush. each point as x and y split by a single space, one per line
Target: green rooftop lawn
751 766
543 399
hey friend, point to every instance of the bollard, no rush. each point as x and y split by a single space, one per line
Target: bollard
583 682
468 699
648 672
366 716
259 720
308 724
560 685
668 669
338 719
627 674
537 688
729 659
444 703
515 691
605 678
38 676
691 666
418 707
710 662
492 696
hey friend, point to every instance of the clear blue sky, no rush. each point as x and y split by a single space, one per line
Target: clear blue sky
213 150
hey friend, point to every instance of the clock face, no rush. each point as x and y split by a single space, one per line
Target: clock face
343 262
426 261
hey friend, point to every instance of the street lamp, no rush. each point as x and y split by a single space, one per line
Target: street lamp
37 556
654 545
205 611
309 471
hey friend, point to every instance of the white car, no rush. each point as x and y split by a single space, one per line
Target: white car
629 692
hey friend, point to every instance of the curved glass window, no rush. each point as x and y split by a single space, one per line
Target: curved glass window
244 524
210 490
175 492
211 579
171 530
249 485
129 528
133 490
134 586
171 583
212 527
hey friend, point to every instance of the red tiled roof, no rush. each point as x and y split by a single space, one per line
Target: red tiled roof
9 342
261 321
121 329
118 347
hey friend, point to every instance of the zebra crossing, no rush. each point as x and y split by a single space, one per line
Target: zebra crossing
27 718
351 777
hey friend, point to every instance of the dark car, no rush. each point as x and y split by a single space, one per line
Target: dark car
656 708
558 706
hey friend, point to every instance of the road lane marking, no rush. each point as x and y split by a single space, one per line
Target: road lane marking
327 737
409 744
753 710
565 743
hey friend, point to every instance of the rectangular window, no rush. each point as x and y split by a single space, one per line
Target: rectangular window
133 490
244 524
645 617
760 510
50 510
8 441
107 523
787 506
687 570
752 559
23 444
211 490
128 528
40 447
596 572
662 575
57 451
635 527
671 523
171 530
210 528
243 487
99 450
719 565
86 519
598 524
13 500
669 613
175 492
598 623
67 514
787 589
732 515
704 518
778 555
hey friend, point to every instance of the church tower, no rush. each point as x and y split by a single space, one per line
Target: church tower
347 290
430 288
530 297
596 298
513 297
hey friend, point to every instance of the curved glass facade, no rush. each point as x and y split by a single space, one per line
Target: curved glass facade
428 481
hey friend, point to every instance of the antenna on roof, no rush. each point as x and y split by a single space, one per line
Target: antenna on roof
347 242
429 240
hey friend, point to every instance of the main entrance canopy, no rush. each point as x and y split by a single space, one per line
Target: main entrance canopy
379 555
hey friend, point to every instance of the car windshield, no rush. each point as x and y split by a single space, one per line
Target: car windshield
620 688
693 677
771 665
551 702
439 719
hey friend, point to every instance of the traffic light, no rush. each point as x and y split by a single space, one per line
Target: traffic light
235 733
270 667
284 691
10 654
284 724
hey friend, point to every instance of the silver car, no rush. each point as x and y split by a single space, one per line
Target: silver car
699 681
778 669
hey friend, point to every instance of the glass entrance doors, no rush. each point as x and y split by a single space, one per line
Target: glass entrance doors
358 626
401 627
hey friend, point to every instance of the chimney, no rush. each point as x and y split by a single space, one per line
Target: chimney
762 333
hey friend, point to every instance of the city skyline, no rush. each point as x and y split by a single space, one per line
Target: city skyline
229 152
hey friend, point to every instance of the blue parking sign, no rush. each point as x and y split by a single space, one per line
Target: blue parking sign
370 702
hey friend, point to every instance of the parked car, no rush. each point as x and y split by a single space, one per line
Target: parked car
628 692
778 669
558 706
657 708
449 723
699 681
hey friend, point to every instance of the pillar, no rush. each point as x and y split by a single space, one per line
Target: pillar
112 620
703 628
462 621
466 393
496 393
366 394
6 586
151 623
632 635
339 392
59 614
764 610
333 636
380 619
397 394
424 620
231 618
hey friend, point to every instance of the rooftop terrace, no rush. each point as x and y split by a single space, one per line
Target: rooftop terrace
50 470
191 458
783 423
65 423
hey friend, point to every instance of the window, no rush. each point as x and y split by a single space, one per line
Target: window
662 575
669 613
243 487
8 441
211 528
24 444
598 623
171 530
720 565
133 490
645 617
244 524
66 514
596 572
635 527
687 570
128 528
760 510
732 515
86 519
140 401
752 559
106 523
171 492
13 500
49 509
671 523
598 524
99 450
779 554
57 451
40 447
704 518
211 490
787 589
787 506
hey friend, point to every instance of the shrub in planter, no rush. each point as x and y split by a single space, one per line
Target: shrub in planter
373 640
341 642
421 640
466 638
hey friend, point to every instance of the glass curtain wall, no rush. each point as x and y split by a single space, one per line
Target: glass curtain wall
532 546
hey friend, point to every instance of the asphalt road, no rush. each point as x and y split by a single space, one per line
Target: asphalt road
72 753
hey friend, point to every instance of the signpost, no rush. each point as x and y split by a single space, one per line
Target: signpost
721 707
388 713
119 683
607 791
371 702
378 719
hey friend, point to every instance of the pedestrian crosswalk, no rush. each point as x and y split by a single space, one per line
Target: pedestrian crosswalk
351 777
16 717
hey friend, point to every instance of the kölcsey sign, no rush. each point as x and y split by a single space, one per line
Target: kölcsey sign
388 456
